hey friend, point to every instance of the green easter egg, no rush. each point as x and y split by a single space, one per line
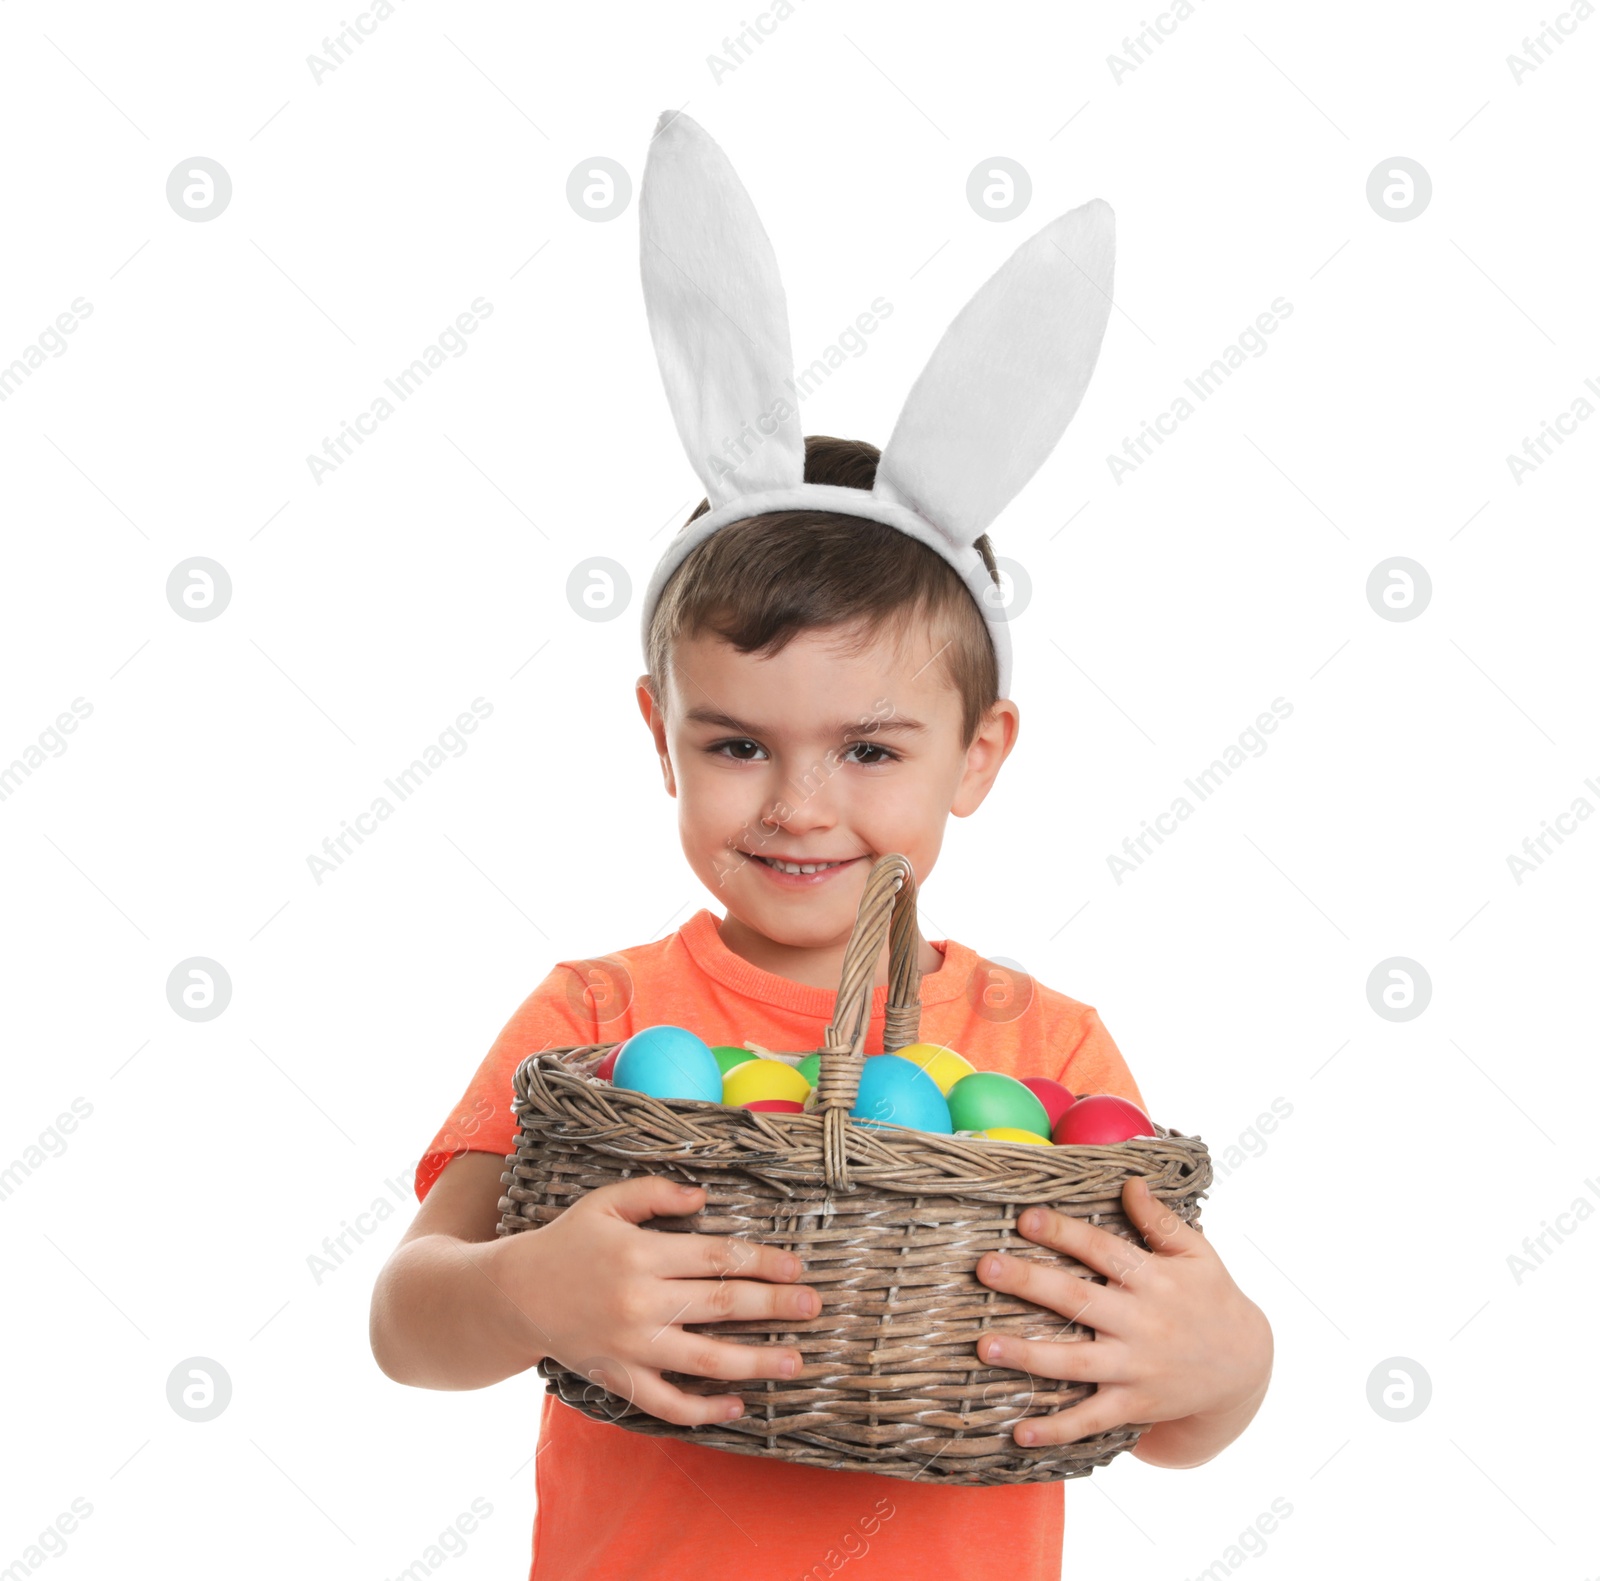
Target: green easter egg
811 1068
988 1099
727 1057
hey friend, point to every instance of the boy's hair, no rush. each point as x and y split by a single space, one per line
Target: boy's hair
760 582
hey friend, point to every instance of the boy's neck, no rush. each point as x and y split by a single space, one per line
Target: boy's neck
814 968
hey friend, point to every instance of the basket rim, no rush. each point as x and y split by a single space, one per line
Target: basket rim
699 1133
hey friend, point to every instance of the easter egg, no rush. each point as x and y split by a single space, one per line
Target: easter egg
727 1057
775 1106
1099 1120
943 1064
811 1068
1009 1133
763 1078
668 1062
893 1091
1055 1098
608 1064
988 1098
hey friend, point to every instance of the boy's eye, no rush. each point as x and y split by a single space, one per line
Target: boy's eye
735 749
884 755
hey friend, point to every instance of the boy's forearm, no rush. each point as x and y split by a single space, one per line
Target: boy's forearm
441 1319
1189 1441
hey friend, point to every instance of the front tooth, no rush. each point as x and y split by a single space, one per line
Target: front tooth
811 869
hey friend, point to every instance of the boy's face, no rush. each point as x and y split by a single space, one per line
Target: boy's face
815 755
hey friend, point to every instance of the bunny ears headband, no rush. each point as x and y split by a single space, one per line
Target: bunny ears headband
995 398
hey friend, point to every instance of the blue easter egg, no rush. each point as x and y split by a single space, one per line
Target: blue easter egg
668 1062
893 1091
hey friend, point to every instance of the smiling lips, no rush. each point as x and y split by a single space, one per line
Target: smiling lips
803 872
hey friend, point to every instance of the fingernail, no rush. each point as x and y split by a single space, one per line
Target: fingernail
1024 1435
991 1267
788 1366
736 1409
995 1350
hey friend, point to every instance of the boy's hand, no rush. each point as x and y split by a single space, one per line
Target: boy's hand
610 1298
1176 1341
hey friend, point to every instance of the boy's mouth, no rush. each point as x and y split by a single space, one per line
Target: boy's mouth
811 872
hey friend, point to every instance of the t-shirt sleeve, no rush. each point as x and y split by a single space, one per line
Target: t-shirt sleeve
1094 1063
557 1014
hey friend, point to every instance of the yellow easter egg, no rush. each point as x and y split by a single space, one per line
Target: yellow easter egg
763 1078
1009 1133
945 1066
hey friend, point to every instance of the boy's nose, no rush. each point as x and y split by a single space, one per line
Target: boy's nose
804 809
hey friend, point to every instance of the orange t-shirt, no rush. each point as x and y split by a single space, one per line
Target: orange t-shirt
613 1503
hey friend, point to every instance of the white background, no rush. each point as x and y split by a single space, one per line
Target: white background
1167 611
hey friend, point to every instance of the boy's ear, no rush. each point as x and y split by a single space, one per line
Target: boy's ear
654 718
992 745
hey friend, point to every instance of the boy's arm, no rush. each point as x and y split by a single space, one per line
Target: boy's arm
457 1307
439 1318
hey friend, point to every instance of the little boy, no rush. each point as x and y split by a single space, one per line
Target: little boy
822 689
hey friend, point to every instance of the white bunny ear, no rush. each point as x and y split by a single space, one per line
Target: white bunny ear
1002 385
717 316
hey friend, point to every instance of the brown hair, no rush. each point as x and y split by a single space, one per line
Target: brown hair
760 582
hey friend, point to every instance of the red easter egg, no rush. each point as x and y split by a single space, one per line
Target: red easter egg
604 1069
775 1105
1099 1120
1055 1098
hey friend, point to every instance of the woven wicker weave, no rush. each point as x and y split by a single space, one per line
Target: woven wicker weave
889 1224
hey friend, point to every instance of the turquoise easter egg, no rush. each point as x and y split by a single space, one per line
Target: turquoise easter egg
987 1099
893 1091
668 1062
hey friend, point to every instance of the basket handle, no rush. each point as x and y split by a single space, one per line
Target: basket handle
888 906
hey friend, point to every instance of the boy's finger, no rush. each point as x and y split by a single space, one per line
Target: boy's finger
693 1256
1095 1248
706 1356
647 1197
1067 1361
1101 1412
654 1394
738 1301
1079 1299
1162 1229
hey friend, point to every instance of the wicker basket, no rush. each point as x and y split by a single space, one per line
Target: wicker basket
889 1223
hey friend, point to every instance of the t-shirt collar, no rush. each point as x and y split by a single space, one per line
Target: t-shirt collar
703 941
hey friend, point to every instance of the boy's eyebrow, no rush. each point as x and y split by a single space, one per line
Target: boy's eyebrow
713 716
